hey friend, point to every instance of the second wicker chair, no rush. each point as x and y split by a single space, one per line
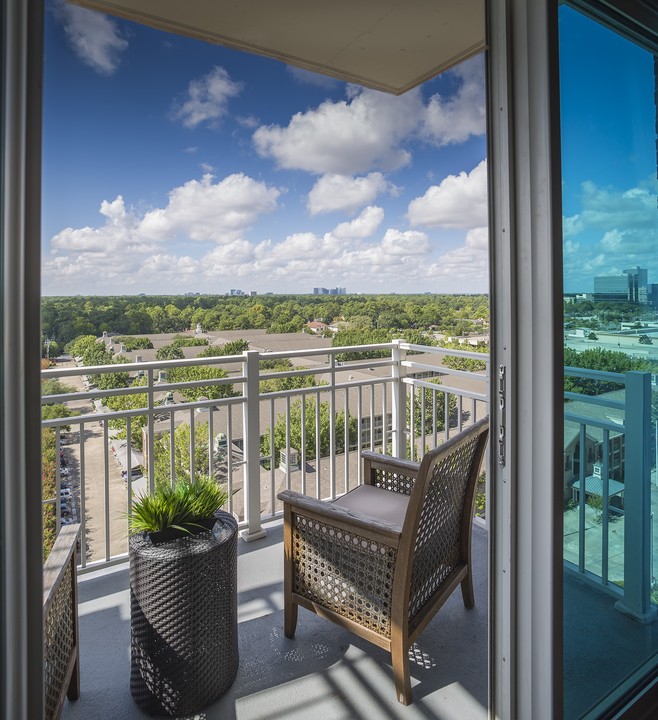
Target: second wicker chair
384 557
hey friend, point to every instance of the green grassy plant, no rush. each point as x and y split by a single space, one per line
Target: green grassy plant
181 507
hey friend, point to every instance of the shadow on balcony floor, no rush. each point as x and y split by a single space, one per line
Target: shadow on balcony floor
324 671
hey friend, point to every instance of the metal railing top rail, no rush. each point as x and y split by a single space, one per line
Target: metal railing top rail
445 370
309 352
318 389
472 395
595 422
445 351
596 400
134 412
279 354
156 386
147 365
163 386
594 374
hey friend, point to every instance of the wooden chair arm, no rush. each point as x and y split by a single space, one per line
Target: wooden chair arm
342 518
389 473
388 462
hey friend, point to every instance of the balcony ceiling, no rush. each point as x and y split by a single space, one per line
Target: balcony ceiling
389 45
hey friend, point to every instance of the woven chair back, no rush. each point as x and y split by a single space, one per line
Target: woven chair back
443 495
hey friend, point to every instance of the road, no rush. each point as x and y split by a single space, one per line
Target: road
95 450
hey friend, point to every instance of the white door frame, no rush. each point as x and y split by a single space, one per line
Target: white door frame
526 308
21 596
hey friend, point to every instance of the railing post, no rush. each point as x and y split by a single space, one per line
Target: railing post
150 440
251 439
399 398
637 500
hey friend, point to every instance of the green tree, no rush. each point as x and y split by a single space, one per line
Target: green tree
181 443
604 360
234 347
294 382
195 373
169 352
53 386
424 421
345 338
135 343
48 488
136 401
83 344
310 422
112 380
460 363
58 411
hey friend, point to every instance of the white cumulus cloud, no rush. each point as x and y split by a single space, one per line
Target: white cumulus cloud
362 226
130 246
410 242
634 208
117 234
207 99
465 266
95 38
205 210
344 192
459 201
351 136
456 118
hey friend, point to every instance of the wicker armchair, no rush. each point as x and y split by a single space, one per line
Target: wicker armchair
382 559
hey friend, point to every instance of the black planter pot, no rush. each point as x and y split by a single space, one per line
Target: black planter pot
183 603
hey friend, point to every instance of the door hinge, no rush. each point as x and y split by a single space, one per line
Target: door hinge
502 398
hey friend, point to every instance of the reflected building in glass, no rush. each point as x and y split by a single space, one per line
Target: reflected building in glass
630 286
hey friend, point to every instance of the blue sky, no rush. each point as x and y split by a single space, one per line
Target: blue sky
610 191
172 165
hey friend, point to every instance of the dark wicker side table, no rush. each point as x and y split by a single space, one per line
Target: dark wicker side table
183 613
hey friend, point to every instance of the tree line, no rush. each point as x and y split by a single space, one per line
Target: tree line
65 318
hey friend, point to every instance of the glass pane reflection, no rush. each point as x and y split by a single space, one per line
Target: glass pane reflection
610 246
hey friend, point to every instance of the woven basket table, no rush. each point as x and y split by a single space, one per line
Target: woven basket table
183 612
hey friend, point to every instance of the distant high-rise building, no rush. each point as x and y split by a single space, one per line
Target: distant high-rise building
631 286
327 291
637 284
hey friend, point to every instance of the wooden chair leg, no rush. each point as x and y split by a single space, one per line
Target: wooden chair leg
467 590
73 691
400 661
290 618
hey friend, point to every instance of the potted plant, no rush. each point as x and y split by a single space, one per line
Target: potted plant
183 597
173 512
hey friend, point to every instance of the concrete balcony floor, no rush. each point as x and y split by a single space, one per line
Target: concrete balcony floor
324 673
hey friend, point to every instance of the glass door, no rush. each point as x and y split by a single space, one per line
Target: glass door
608 92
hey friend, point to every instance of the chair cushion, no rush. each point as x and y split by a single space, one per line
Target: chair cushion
382 504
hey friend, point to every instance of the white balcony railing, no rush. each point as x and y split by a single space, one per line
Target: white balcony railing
257 443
